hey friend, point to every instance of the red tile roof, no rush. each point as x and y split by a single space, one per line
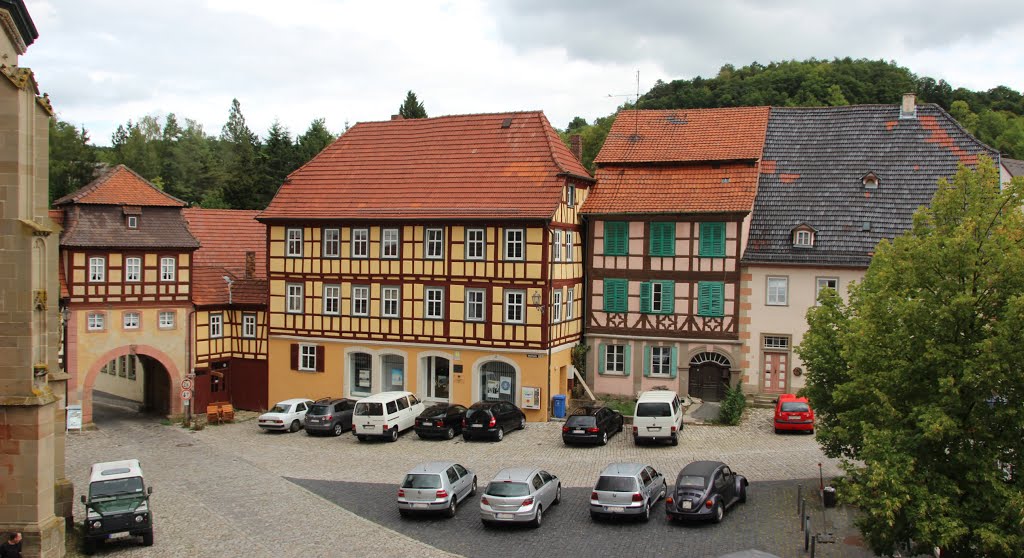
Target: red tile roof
121 186
225 235
685 135
57 216
465 167
673 189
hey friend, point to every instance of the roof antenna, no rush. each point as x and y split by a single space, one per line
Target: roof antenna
636 104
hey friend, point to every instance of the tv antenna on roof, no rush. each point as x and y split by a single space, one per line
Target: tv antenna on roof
636 104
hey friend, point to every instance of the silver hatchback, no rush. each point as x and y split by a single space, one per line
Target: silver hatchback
435 486
519 495
627 489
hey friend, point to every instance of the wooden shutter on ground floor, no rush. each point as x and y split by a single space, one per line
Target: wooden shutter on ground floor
319 358
295 356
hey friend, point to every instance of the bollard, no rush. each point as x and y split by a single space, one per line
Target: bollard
799 496
803 506
812 546
807 533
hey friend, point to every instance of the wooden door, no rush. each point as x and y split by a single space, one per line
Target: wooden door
706 381
774 370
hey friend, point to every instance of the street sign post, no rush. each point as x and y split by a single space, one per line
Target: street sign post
186 394
186 384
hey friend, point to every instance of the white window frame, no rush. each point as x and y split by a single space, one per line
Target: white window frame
510 242
360 300
433 238
776 342
97 269
556 306
167 319
307 357
359 244
131 320
803 238
567 257
332 300
390 295
476 310
294 298
133 221
570 195
818 286
96 321
216 325
249 326
389 238
428 294
658 363
515 307
133 269
773 295
293 243
331 243
657 297
568 304
615 359
167 269
556 241
476 248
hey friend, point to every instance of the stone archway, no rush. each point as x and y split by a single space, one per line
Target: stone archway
709 376
149 355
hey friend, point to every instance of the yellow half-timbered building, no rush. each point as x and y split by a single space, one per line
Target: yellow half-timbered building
441 256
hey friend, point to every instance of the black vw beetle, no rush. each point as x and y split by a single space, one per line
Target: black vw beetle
705 490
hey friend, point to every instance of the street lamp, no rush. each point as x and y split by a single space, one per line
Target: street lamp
536 298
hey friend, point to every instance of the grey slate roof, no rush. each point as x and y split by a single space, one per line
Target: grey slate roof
103 226
1014 166
820 156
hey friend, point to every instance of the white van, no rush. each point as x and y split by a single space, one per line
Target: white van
658 416
385 414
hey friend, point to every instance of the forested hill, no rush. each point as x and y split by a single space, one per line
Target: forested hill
995 116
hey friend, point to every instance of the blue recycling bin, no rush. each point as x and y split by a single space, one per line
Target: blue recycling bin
559 410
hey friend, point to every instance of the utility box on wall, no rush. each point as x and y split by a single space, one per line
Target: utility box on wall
531 398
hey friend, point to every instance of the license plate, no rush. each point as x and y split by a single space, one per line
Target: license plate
427 423
615 509
121 535
478 426
577 432
794 418
687 505
505 516
420 506
653 428
368 426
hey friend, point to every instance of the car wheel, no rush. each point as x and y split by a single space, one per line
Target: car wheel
622 426
472 491
294 427
450 433
594 517
558 494
360 437
451 507
743 494
403 513
393 436
604 439
522 423
647 513
487 524
777 431
465 437
675 439
338 430
664 489
811 432
89 547
538 518
719 512
500 435
147 539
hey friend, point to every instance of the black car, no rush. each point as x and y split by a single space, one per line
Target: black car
492 419
330 416
592 425
705 490
440 421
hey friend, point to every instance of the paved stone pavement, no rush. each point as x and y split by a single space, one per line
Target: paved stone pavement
223 491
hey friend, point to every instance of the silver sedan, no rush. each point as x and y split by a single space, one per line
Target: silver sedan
519 495
435 486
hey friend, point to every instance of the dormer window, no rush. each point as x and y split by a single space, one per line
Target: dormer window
870 181
803 236
133 221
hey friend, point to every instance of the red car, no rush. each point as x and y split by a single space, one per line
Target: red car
793 413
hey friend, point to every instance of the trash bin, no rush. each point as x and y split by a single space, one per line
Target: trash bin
559 406
830 497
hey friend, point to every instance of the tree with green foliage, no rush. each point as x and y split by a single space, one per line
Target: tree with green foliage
72 159
240 155
918 382
412 107
134 146
279 156
313 140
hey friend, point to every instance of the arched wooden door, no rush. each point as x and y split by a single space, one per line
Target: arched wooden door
709 376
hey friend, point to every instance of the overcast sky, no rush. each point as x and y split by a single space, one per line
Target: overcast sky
106 61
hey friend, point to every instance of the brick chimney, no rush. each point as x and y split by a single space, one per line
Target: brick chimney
250 265
576 146
909 107
397 117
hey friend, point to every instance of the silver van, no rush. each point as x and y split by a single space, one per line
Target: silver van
627 489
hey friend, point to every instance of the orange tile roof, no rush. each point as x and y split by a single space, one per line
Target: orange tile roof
121 186
225 235
685 135
57 216
464 167
673 189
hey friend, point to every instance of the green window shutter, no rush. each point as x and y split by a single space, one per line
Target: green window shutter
645 297
615 295
647 360
718 303
703 299
626 355
601 353
668 297
616 238
663 239
712 240
672 364
711 299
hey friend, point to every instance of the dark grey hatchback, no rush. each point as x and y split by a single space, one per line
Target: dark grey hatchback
442 420
591 425
492 419
330 417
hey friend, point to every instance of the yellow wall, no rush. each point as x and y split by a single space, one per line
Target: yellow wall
115 288
231 343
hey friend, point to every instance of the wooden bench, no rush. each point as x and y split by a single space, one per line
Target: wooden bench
227 412
220 412
213 415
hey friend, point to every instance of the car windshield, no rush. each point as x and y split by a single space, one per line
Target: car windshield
795 407
580 421
691 481
319 409
369 409
422 481
508 489
281 408
616 484
131 486
653 410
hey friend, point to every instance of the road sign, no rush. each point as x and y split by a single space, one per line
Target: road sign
191 375
186 384
186 394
